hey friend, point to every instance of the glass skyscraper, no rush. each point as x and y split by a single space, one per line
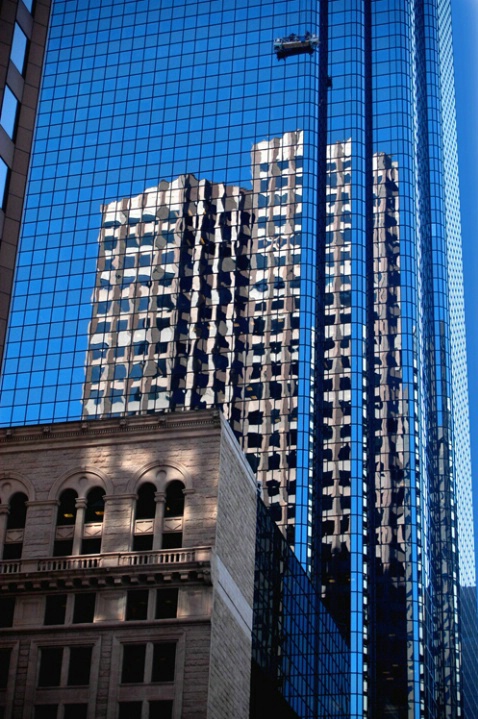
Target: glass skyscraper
254 205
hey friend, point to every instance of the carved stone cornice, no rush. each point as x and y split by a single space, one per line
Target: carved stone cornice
109 428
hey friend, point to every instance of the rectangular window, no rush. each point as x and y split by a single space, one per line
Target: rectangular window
80 663
91 546
130 710
8 116
133 663
63 548
46 711
55 609
4 666
172 540
142 542
19 49
164 659
160 710
50 666
13 550
75 711
7 609
166 603
84 610
137 604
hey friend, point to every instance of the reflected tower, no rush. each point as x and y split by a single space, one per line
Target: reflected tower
223 211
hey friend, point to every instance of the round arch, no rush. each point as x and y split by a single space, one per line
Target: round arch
160 474
81 479
12 483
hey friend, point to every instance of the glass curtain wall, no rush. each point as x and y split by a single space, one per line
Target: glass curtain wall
253 205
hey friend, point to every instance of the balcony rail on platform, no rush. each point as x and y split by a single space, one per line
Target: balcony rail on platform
110 560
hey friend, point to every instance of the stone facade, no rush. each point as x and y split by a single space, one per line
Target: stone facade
157 608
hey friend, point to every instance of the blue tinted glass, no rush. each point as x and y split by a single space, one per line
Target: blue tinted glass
28 4
19 48
3 180
8 115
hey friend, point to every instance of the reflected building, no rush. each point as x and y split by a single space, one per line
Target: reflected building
280 238
197 304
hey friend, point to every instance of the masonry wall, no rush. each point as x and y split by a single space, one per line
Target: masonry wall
213 571
233 585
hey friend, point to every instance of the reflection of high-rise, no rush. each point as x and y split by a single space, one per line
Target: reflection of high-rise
197 305
317 299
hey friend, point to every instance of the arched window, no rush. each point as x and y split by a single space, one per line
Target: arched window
95 506
173 516
65 523
146 504
67 508
94 515
17 516
144 518
174 499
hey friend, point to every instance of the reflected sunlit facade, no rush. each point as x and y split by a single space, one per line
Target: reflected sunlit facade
254 206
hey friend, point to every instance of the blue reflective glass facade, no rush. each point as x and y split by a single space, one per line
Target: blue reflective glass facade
297 650
222 211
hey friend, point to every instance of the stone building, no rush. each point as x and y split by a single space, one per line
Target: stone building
122 593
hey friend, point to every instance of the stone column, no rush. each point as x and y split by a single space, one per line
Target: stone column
4 511
80 505
186 518
160 499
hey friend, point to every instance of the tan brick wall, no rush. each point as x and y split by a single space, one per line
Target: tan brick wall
213 628
233 582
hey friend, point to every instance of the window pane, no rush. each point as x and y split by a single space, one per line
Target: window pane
50 666
3 181
84 610
19 48
142 542
8 118
166 603
17 514
172 540
12 551
67 509
146 504
28 4
4 666
129 710
55 608
133 663
174 506
79 669
75 711
160 710
63 547
46 711
91 546
7 608
95 508
137 604
164 658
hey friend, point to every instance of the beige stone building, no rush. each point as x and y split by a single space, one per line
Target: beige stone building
122 593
